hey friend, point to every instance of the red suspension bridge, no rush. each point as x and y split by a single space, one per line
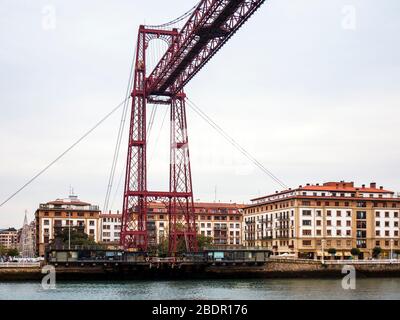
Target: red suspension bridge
211 24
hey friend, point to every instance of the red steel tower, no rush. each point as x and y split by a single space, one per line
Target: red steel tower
211 25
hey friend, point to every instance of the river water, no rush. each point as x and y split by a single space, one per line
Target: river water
260 289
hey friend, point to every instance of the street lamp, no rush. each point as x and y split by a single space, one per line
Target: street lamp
69 230
391 249
323 250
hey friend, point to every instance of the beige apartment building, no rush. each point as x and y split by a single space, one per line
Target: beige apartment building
64 213
8 238
220 221
305 222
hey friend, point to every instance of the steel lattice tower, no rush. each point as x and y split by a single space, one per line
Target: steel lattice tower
210 26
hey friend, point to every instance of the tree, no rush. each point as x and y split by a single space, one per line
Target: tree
355 252
332 251
397 252
3 250
376 252
75 236
203 241
12 252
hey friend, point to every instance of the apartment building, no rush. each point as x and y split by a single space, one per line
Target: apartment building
65 213
305 222
219 221
8 238
110 225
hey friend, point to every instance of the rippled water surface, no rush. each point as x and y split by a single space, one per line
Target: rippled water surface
260 289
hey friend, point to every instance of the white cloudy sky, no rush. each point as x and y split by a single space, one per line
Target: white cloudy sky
312 100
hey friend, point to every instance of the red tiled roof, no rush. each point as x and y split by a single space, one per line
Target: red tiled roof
344 189
332 187
76 203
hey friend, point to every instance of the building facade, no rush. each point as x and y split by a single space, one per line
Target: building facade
9 238
221 222
110 224
26 239
64 213
306 222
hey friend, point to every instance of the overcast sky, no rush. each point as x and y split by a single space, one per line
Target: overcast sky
310 87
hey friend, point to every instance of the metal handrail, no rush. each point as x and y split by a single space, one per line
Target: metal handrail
19 264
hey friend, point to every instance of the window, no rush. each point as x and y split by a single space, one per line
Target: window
377 214
318 232
377 233
339 213
361 214
378 223
306 222
329 213
91 223
328 222
318 222
306 232
348 223
46 222
306 212
306 242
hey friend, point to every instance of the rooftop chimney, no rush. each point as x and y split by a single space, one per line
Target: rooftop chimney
373 185
381 187
363 186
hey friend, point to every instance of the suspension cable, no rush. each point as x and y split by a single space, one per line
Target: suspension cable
117 148
234 143
65 152
177 20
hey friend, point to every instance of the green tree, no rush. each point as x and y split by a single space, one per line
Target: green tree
376 252
355 252
75 236
203 241
12 252
332 251
3 250
397 252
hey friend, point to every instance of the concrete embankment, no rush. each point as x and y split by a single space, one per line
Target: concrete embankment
20 273
272 269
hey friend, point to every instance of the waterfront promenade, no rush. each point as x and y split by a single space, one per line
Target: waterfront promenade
271 268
